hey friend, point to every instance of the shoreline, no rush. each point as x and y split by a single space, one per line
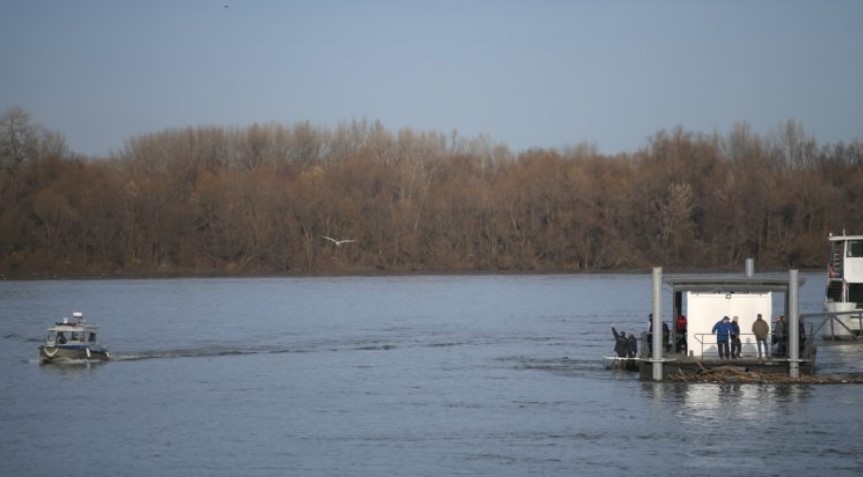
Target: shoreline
179 274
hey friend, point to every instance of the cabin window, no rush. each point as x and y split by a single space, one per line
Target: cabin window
855 293
855 248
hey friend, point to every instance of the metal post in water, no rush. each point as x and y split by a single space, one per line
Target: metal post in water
793 325
657 324
750 267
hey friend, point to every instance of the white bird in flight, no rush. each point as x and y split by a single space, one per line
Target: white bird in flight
337 242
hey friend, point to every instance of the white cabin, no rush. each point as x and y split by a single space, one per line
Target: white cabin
845 272
705 299
843 300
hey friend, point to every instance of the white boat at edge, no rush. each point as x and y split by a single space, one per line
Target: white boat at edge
844 294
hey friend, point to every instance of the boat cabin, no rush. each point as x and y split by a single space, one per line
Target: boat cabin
845 272
843 299
75 331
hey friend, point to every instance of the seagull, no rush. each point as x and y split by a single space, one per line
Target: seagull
337 242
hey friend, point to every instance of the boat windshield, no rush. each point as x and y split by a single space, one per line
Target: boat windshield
67 336
855 248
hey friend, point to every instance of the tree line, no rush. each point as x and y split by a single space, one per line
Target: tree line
262 199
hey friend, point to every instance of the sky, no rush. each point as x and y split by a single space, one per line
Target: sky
526 74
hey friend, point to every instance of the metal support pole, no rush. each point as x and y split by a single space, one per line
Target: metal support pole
658 342
793 325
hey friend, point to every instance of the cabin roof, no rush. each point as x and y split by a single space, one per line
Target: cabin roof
842 238
74 327
732 283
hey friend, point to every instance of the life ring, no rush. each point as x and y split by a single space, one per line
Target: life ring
50 352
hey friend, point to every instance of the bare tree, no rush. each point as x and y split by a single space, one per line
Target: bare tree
19 139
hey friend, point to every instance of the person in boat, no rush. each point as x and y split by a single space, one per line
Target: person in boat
633 345
680 328
722 330
621 343
760 329
61 337
736 345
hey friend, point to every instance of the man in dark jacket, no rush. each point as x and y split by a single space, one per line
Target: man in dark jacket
666 335
736 345
633 346
780 335
621 343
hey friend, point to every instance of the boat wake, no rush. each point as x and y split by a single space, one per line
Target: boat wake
362 345
212 352
560 365
67 362
195 353
22 339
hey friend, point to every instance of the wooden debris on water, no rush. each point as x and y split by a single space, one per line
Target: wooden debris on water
736 374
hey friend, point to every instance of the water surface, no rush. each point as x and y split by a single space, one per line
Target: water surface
360 376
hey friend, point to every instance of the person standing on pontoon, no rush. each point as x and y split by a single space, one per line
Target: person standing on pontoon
722 330
760 329
680 328
736 345
666 334
780 335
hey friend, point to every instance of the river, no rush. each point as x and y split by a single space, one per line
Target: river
413 376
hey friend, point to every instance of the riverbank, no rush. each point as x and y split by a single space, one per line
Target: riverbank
185 273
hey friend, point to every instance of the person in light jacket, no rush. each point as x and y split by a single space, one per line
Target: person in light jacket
761 329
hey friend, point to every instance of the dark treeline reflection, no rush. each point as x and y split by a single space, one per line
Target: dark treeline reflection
261 199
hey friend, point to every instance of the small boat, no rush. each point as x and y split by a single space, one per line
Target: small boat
72 340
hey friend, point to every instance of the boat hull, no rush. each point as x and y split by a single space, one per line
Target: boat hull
624 364
65 353
843 323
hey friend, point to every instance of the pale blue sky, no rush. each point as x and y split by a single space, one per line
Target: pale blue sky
527 73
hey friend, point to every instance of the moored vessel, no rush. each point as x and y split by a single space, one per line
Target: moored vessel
844 295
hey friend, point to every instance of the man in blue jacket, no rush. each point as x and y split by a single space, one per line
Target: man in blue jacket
722 330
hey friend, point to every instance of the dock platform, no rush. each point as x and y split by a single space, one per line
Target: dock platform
675 364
